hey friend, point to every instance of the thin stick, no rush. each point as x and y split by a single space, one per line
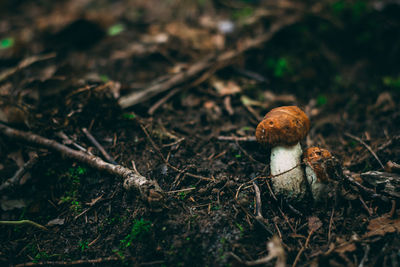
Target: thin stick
68 263
258 219
258 200
296 260
24 222
366 146
148 189
365 257
68 141
25 63
237 138
198 81
247 154
163 100
330 225
248 182
180 190
98 146
20 173
302 249
365 206
370 192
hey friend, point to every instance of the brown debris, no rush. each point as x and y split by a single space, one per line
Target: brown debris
383 225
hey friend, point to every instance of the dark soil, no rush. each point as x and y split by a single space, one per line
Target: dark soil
340 64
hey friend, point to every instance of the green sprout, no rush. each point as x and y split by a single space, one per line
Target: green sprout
76 206
104 78
73 180
243 13
392 81
83 245
182 195
6 43
139 229
116 29
41 256
241 229
321 100
280 66
129 115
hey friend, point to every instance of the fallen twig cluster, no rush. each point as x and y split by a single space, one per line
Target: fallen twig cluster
149 190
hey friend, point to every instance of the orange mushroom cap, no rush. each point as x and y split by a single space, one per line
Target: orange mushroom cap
283 126
315 157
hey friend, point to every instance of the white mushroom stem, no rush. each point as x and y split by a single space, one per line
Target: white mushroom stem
287 174
318 189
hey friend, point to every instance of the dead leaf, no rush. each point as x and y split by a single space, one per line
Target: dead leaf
56 221
209 104
275 250
158 38
10 204
198 38
248 102
345 247
269 96
382 225
314 223
384 103
17 157
226 88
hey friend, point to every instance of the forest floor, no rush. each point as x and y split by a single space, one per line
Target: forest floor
209 71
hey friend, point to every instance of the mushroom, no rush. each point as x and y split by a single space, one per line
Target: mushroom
281 129
318 171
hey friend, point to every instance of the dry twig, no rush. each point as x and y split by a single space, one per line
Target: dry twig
366 146
99 261
98 146
68 141
25 63
149 190
258 200
20 173
24 222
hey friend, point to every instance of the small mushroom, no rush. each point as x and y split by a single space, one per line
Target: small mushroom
318 168
281 129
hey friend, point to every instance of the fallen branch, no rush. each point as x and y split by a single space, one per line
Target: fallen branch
24 64
20 173
70 263
90 262
23 222
214 61
149 190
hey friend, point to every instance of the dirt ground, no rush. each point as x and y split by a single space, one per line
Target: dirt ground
66 66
